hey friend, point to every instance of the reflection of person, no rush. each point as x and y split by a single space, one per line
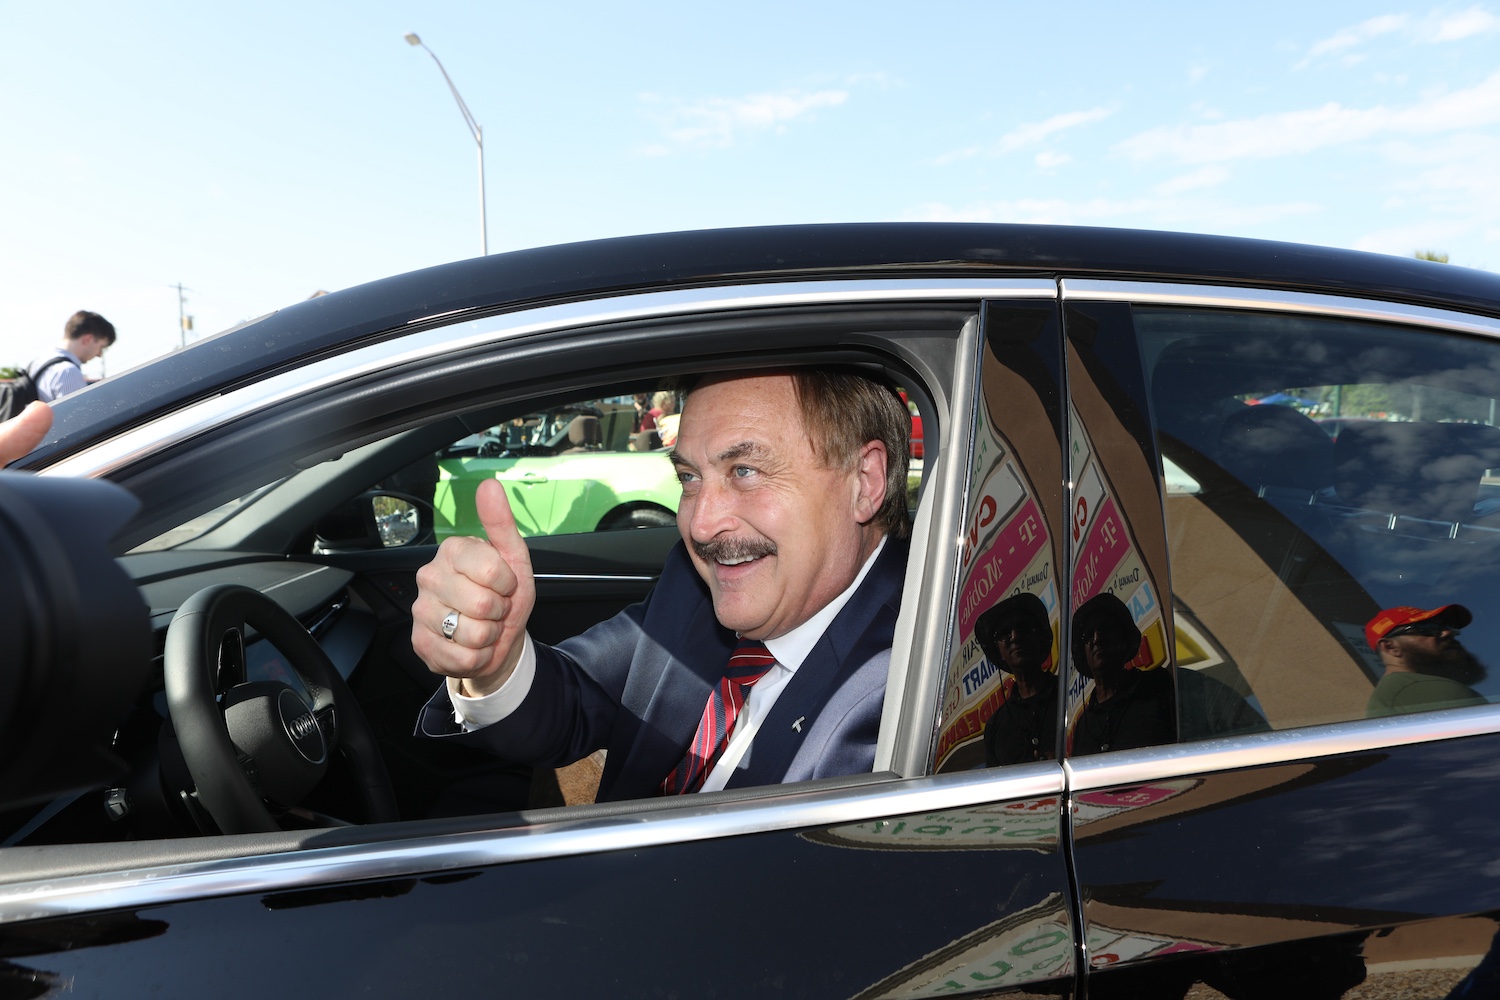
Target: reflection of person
1127 708
1017 637
791 534
645 420
668 417
1426 667
23 432
85 336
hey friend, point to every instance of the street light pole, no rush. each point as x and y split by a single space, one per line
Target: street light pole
474 130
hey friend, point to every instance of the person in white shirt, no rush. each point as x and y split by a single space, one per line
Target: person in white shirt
86 335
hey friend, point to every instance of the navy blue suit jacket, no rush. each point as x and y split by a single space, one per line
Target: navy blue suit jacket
635 685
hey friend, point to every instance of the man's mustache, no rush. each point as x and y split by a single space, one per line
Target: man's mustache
732 549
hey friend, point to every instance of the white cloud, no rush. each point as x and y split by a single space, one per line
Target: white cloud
1453 177
1032 133
1028 134
1437 27
1195 215
1347 38
1464 24
1205 177
1403 241
1035 210
1291 132
1048 160
719 122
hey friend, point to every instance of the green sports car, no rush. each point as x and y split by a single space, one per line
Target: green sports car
569 469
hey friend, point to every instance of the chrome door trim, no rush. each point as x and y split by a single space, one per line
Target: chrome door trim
683 821
1273 300
596 577
920 655
434 342
1138 767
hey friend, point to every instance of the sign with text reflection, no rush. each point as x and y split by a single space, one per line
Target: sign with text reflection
1006 550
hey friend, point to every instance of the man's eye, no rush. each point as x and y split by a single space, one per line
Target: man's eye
743 471
685 477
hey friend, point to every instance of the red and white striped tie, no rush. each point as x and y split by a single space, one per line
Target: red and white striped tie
749 662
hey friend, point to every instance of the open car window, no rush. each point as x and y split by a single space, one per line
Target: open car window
589 465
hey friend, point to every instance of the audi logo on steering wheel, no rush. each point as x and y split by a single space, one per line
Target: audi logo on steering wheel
302 727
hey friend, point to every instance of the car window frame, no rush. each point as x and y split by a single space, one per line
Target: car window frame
1103 771
867 797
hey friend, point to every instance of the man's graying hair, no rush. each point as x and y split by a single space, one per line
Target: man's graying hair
844 408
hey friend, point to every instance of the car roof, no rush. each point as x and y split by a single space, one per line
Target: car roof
330 323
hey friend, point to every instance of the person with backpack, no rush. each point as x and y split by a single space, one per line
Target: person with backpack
85 336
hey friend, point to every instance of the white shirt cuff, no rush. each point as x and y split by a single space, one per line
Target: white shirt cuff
476 713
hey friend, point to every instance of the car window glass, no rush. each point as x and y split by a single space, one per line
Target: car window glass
1000 692
196 527
1121 687
593 465
1330 499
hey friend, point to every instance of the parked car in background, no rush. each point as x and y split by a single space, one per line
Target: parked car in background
568 469
1088 441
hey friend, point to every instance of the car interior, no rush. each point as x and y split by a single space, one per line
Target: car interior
1320 470
286 505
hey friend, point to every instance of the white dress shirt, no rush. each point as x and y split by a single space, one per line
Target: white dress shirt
789 649
59 380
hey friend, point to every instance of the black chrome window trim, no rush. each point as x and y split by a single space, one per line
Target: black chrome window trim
583 831
597 577
432 343
1135 767
1274 300
923 635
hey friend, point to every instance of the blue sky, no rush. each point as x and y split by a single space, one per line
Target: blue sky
259 152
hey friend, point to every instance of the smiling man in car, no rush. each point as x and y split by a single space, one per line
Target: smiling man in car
761 654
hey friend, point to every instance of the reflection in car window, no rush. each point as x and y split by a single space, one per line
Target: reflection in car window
1120 693
1330 500
1001 686
203 523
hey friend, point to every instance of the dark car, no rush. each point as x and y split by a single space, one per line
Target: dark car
1089 439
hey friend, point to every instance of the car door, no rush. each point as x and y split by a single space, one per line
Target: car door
1293 839
899 883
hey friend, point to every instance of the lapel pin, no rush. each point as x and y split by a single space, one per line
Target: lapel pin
798 724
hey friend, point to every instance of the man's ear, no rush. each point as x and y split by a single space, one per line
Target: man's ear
869 481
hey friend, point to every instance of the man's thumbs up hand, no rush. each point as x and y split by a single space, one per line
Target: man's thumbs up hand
489 584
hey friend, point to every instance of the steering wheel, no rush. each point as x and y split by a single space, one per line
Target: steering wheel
249 742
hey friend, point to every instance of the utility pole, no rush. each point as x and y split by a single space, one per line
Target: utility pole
184 321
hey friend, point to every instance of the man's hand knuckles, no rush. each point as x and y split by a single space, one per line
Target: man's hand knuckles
486 605
495 574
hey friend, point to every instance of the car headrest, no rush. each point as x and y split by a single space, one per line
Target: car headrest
583 431
1425 470
1276 446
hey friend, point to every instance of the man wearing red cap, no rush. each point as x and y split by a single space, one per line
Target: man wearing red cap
1426 667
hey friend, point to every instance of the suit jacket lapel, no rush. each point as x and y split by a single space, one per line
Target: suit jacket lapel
669 685
828 665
